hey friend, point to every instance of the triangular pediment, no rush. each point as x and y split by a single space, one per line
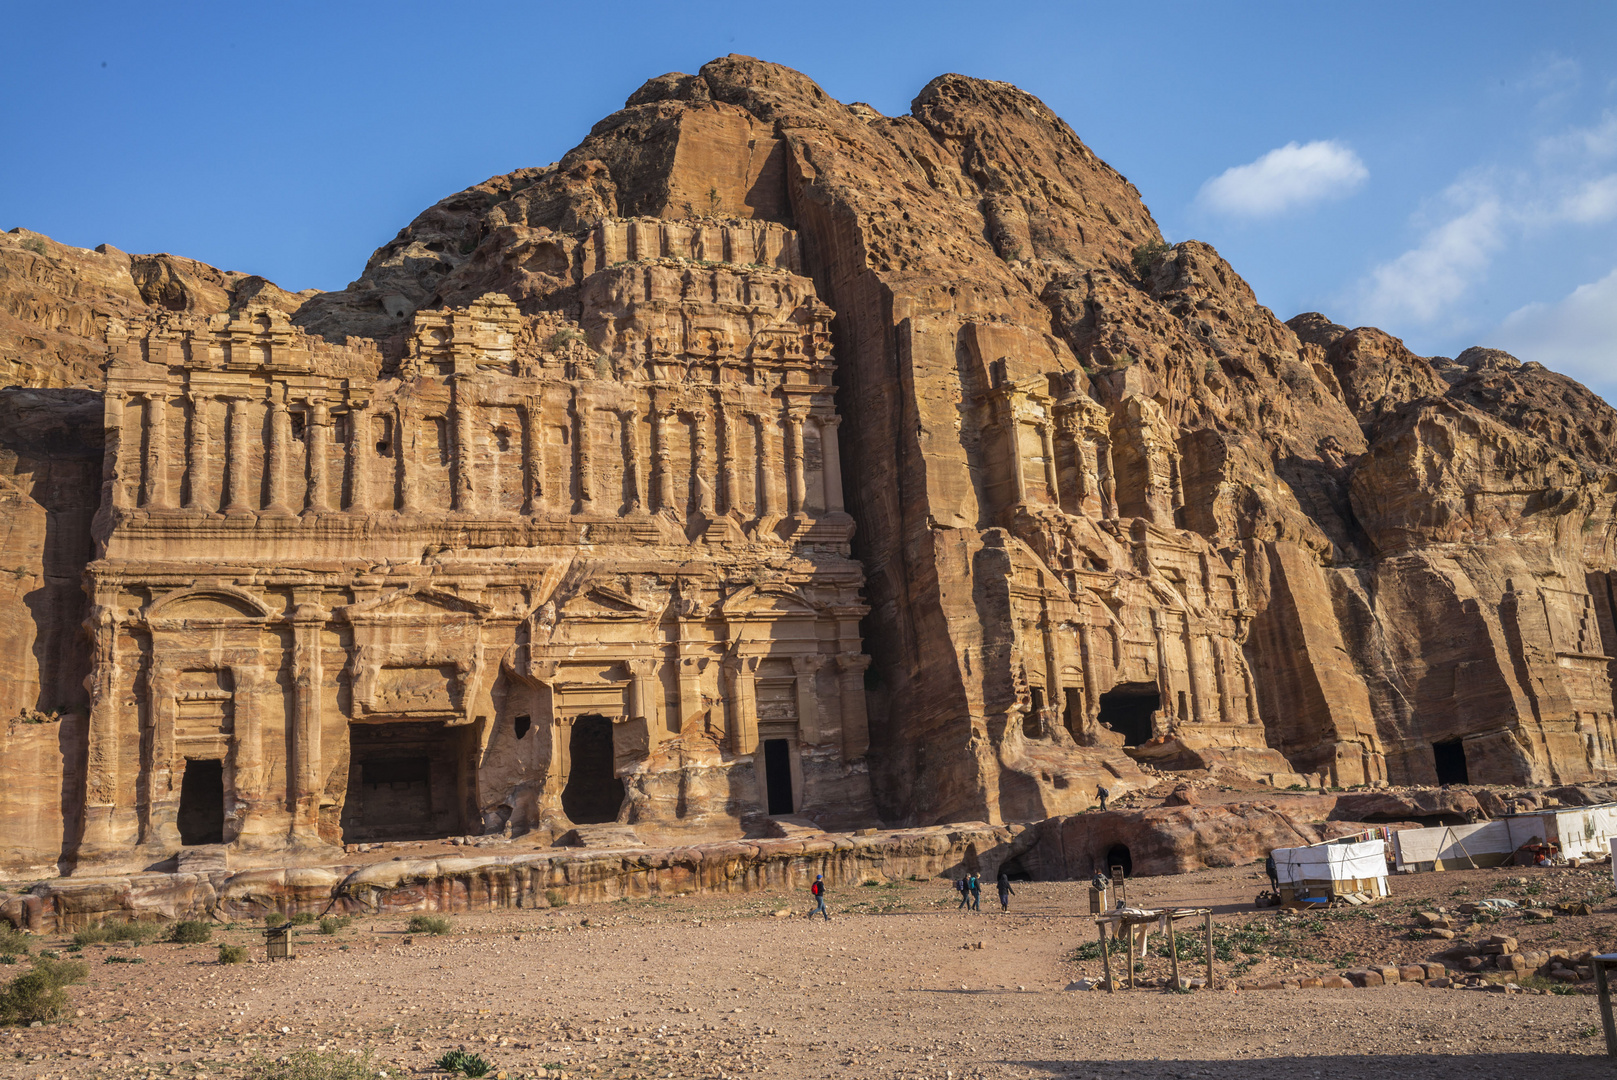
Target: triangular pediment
603 602
418 603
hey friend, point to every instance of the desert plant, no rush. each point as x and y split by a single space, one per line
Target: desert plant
274 918
316 1065
137 933
563 338
428 924
34 244
38 994
232 954
554 898
120 959
333 923
13 942
1146 254
464 1063
190 932
302 918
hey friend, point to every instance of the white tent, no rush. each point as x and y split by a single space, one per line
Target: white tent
1334 868
1580 832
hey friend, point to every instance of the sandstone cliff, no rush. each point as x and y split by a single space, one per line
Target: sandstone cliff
1109 508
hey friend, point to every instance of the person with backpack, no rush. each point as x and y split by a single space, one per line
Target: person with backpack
976 885
1005 890
818 889
963 887
1102 794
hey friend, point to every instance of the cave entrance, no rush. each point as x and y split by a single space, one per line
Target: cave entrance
778 775
405 781
1449 757
593 794
201 817
1118 855
1127 708
1072 715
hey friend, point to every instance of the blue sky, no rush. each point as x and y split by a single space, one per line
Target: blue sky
1445 171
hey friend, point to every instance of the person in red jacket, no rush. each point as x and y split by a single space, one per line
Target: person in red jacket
818 889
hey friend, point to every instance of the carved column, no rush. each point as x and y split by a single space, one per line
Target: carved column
197 455
161 800
1251 693
795 487
768 500
855 722
237 495
280 438
582 414
409 452
1193 670
631 456
317 445
1013 439
1086 657
727 460
643 696
464 495
533 456
359 459
308 682
1108 480
704 490
1220 649
743 673
1050 480
105 830
662 480
1164 683
156 494
248 750
808 702
831 458
114 462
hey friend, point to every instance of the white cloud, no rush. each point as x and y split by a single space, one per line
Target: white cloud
1292 176
1422 282
1576 335
1597 141
1591 203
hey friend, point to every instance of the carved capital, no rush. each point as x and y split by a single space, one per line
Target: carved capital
852 661
807 664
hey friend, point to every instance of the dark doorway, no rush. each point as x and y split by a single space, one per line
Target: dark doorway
778 775
594 794
1032 726
1118 855
1127 708
404 781
202 803
1071 715
1449 757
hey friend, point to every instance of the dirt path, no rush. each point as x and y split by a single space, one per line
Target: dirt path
715 987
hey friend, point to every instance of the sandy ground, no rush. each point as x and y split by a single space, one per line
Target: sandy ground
893 986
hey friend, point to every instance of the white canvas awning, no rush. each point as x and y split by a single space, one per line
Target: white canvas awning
1319 864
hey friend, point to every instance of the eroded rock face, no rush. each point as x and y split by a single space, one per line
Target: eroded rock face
750 392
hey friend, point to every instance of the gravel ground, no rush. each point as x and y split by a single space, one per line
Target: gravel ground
898 984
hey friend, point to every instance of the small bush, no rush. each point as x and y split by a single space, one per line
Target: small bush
38 994
34 244
302 918
13 942
274 918
124 960
333 923
464 1062
428 924
554 898
190 932
136 933
1146 255
316 1065
232 954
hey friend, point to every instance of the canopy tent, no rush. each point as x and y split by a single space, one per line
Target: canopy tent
1581 832
1327 871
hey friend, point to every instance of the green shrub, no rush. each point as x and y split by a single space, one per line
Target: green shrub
1146 255
124 960
232 954
428 924
13 942
38 994
190 932
316 1065
34 244
137 933
464 1062
333 923
302 918
274 918
554 898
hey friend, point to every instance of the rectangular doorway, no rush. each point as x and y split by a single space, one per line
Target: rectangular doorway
1449 757
778 775
201 818
405 781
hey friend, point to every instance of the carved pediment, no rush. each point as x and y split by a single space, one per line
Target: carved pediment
767 602
604 602
424 603
213 603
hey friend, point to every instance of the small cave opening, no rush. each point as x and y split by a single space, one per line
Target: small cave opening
1118 855
1127 708
1013 869
1032 726
1449 757
521 725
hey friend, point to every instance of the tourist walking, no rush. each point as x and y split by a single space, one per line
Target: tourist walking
1273 872
963 886
1101 794
1005 890
818 889
976 884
